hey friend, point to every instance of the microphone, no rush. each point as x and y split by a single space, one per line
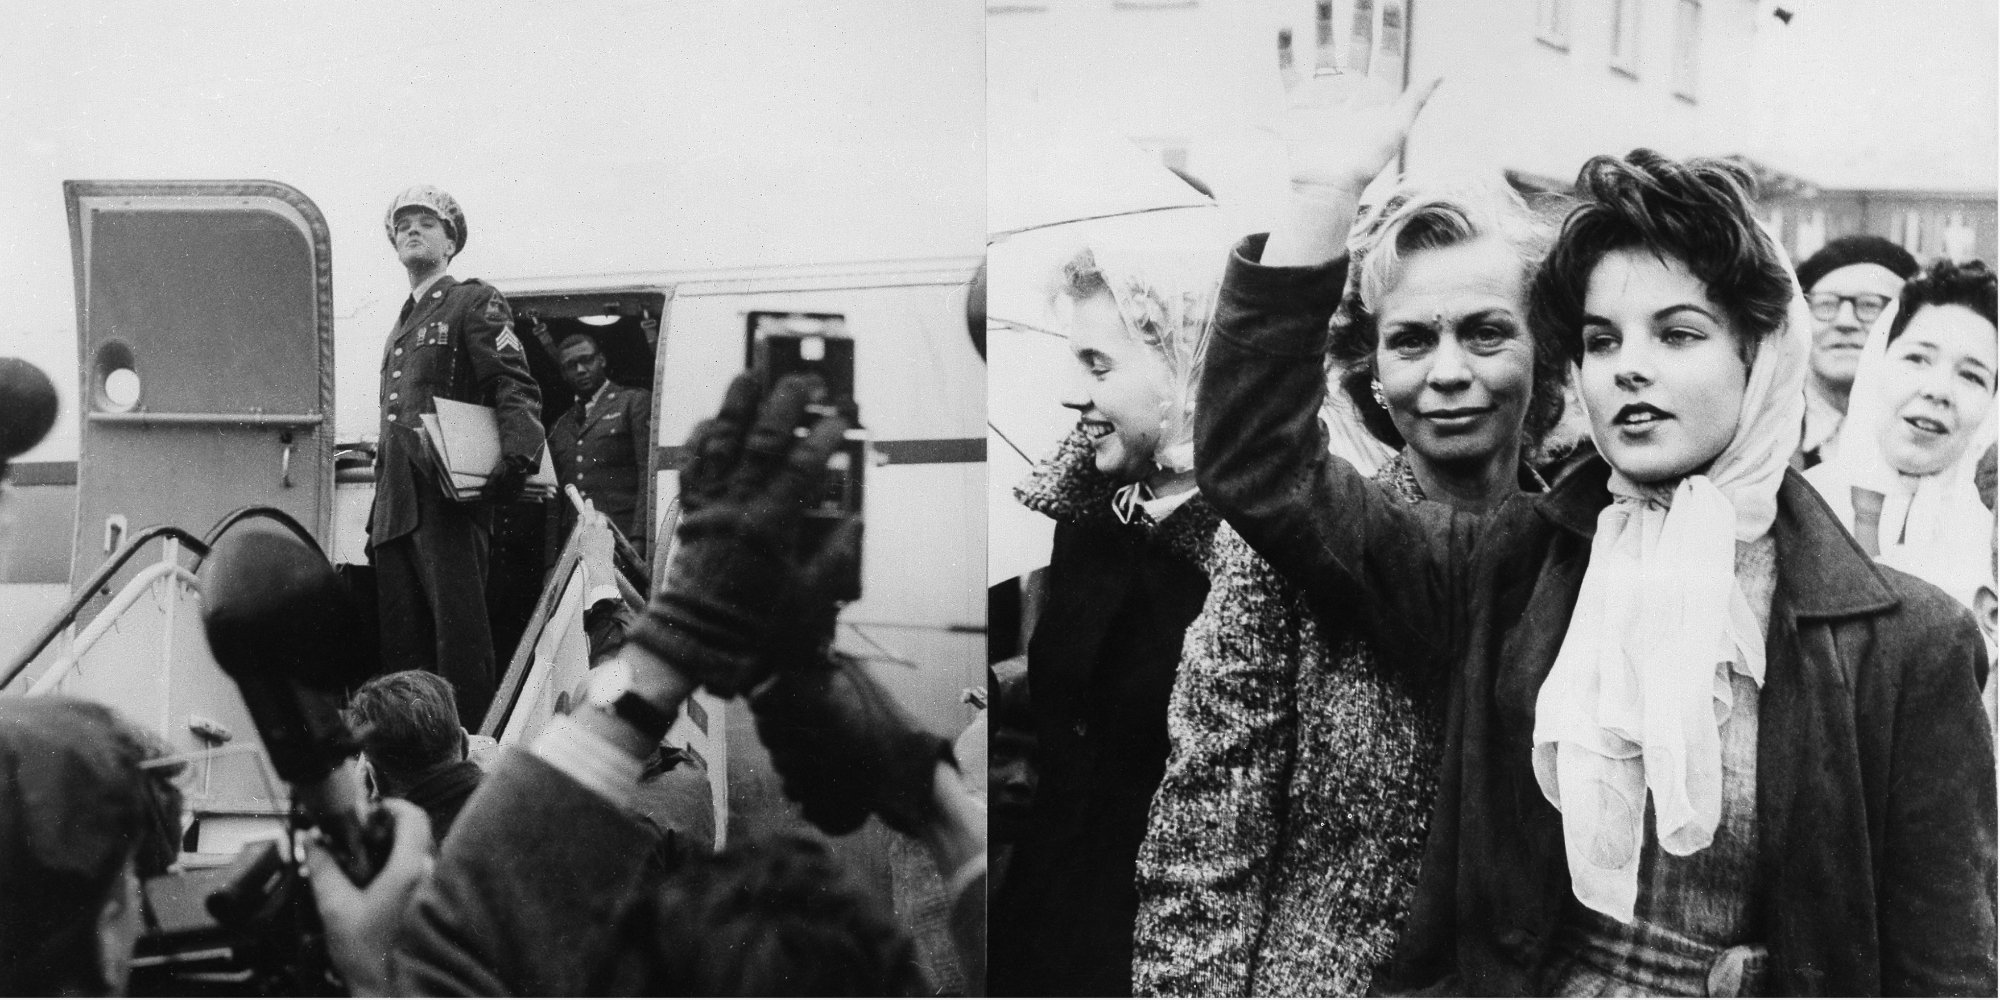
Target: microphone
27 408
285 629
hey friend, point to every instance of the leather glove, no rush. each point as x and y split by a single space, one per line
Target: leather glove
844 748
743 593
504 483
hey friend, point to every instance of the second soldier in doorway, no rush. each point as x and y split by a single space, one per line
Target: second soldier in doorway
454 340
602 444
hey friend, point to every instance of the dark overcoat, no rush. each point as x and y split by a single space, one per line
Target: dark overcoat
1875 771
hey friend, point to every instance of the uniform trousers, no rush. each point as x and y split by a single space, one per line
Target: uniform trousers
431 588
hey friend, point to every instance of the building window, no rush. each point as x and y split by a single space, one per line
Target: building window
1959 238
1687 49
1812 235
1625 37
1552 22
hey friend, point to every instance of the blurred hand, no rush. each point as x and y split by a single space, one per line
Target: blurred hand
845 748
1341 129
1983 476
743 593
504 483
362 924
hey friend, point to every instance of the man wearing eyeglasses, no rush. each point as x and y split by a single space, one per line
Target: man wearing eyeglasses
1848 283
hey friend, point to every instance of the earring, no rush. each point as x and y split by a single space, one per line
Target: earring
1375 388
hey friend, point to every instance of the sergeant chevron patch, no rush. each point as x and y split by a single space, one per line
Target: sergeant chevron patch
507 341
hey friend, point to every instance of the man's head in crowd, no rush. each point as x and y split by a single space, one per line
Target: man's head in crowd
408 726
583 365
1847 285
778 916
81 822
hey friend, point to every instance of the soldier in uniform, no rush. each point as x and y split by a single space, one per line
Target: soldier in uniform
456 340
601 445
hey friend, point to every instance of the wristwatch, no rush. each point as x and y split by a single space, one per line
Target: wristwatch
611 689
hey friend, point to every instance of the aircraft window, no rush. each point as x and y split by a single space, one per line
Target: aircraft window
117 377
121 388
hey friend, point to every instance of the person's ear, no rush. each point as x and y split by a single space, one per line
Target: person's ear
118 928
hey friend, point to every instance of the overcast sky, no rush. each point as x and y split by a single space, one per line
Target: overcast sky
623 136
1889 93
580 137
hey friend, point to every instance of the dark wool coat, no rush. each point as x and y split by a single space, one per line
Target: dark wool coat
1100 665
1875 778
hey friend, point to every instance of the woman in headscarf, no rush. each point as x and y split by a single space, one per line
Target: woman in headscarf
1286 835
1126 575
81 822
1920 417
1697 743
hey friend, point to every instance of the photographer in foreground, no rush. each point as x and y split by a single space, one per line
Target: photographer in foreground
81 822
547 887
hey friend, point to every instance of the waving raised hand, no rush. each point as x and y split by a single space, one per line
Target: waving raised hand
1339 129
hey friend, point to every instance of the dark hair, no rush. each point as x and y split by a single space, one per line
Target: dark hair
1700 212
1947 284
777 916
1434 220
408 724
110 808
1861 248
587 337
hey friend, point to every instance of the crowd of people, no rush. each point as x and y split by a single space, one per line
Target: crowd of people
544 872
1456 597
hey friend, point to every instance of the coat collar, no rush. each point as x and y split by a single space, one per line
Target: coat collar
596 407
433 300
1822 570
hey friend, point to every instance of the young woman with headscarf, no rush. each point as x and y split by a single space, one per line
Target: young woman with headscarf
1698 743
1127 573
1921 416
1286 835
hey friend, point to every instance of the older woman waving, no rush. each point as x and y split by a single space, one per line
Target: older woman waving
1698 743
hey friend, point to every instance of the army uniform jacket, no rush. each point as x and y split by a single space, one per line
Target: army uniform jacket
601 446
458 343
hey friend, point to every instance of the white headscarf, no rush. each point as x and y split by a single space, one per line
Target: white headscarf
1635 701
1934 527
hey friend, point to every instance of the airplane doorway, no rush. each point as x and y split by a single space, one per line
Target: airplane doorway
528 537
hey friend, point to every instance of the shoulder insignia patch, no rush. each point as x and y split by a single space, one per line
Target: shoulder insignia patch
507 341
496 309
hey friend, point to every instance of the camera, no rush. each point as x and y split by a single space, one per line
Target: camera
784 344
284 627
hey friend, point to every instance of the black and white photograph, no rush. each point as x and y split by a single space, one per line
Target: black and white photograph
493 499
1475 498
1491 499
